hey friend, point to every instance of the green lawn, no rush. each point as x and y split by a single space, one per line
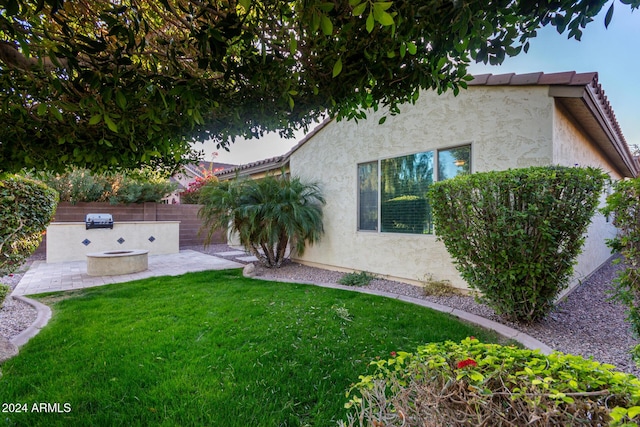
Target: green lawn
209 349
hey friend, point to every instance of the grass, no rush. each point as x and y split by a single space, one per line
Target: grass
210 348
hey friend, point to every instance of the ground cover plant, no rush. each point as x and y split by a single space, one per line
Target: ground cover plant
514 235
362 278
210 348
477 384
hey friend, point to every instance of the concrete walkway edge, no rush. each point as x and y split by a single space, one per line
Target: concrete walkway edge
42 318
506 331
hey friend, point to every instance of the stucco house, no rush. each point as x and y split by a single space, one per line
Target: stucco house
499 122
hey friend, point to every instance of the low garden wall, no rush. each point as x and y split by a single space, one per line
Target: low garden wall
186 214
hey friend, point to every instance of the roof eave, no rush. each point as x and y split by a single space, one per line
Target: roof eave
587 101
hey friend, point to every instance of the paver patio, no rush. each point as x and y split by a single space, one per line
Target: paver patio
64 276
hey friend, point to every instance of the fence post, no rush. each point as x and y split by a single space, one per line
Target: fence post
150 211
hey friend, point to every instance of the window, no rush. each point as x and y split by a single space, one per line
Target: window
368 196
454 161
402 184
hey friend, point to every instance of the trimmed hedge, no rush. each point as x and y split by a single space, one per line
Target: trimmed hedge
514 235
26 208
472 384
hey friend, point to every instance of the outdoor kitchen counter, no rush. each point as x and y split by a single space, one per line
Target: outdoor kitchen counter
71 241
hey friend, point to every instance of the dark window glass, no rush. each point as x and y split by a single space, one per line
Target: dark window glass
368 196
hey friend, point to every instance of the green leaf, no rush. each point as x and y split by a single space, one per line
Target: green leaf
337 67
121 100
94 120
359 9
384 5
56 113
327 25
382 120
617 413
315 22
354 3
633 412
385 19
370 22
42 109
607 18
293 45
246 4
110 123
412 48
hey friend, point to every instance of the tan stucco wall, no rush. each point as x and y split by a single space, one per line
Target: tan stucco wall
571 146
507 128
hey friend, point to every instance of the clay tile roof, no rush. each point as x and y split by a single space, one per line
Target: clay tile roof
525 79
500 79
557 78
270 162
480 79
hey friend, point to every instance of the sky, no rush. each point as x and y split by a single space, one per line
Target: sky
614 53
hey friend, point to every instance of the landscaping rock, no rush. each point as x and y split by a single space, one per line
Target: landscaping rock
249 270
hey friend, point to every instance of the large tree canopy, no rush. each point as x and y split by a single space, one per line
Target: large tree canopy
119 83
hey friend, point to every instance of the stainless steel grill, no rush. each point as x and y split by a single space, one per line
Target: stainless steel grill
98 221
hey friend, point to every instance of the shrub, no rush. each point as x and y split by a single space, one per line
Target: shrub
269 214
4 291
471 383
81 185
26 208
192 194
78 185
356 279
514 235
624 204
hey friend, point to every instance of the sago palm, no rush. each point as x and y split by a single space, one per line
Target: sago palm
269 215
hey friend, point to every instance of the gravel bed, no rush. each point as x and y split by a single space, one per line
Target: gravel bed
15 315
584 323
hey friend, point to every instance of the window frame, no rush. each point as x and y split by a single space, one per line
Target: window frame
436 178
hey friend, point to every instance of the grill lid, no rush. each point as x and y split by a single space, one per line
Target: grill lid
98 221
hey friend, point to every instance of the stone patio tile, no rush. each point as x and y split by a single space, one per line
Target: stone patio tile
43 277
250 258
230 253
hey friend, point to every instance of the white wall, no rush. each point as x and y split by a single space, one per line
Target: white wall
508 127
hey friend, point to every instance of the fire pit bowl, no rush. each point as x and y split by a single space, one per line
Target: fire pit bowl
115 263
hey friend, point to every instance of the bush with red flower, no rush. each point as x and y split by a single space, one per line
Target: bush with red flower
471 383
192 194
